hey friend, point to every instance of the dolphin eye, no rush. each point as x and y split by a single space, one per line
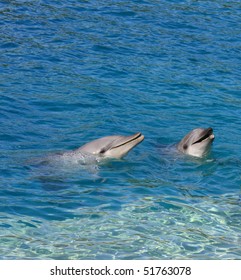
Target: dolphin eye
185 147
102 151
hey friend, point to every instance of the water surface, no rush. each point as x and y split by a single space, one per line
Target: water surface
76 71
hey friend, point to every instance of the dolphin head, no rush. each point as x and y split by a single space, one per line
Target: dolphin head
112 146
197 142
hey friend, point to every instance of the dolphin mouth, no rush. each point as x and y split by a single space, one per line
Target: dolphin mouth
137 138
207 134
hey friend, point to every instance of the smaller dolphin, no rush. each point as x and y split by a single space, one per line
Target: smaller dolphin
109 147
197 143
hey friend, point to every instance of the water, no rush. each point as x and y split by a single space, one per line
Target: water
75 71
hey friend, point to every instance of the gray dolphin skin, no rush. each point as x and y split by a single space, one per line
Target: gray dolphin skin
197 143
110 146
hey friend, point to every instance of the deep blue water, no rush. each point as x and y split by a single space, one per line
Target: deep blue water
74 71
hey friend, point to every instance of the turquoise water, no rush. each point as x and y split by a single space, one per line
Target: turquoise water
75 71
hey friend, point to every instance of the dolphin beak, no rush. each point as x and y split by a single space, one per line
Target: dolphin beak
132 140
207 134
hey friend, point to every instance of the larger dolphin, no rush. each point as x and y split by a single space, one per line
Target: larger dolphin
109 147
197 142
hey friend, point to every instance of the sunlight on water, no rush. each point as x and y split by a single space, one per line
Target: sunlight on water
143 230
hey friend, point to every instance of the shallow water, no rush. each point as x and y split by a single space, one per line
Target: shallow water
76 71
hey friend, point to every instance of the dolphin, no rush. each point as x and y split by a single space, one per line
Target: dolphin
115 146
197 143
